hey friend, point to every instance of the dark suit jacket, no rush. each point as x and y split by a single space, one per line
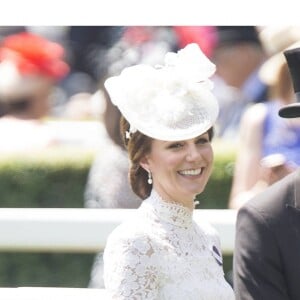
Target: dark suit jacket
267 247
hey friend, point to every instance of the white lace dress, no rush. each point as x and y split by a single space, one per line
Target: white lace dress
164 254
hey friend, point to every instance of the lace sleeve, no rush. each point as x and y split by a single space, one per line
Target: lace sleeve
130 268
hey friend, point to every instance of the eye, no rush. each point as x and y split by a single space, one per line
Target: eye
202 140
175 146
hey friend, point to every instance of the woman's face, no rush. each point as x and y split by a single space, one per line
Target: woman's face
180 170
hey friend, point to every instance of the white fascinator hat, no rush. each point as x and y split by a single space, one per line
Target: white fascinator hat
170 102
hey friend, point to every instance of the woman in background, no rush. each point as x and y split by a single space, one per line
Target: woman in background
269 146
30 66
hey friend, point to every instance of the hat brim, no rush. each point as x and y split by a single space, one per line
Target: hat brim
290 111
268 72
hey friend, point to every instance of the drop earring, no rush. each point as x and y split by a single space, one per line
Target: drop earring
149 178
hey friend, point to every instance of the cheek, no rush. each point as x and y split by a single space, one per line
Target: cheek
208 155
165 163
174 161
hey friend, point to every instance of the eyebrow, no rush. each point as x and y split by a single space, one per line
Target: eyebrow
182 141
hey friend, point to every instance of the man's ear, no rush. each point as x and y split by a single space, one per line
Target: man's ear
144 163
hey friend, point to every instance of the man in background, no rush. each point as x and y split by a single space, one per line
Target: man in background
267 248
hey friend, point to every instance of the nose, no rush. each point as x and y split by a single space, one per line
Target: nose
193 153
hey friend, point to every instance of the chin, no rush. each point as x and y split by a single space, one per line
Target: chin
193 192
199 188
194 186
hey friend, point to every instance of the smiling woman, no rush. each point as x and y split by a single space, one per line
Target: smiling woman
168 113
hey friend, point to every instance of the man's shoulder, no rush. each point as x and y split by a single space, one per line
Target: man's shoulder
275 198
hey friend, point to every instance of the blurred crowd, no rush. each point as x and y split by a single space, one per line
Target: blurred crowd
52 93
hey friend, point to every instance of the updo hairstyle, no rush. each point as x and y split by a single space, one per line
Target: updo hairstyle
137 146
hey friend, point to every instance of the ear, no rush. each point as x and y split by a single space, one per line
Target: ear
144 163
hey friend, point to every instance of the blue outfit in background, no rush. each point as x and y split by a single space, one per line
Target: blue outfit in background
280 136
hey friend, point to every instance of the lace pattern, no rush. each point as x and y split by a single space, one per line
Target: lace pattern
164 254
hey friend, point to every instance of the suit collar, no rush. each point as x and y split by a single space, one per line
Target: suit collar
297 189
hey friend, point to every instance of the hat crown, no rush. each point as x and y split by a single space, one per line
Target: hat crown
292 57
276 39
169 102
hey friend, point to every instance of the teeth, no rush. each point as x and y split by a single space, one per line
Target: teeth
191 172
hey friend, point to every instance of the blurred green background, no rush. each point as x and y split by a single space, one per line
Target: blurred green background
56 179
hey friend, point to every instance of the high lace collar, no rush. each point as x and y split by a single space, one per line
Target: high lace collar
169 212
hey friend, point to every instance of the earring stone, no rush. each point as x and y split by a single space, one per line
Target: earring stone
149 178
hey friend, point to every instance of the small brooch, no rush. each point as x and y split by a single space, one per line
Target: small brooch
217 255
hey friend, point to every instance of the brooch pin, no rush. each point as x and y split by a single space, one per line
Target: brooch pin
217 255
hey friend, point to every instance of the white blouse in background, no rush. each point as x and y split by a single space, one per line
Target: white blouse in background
163 254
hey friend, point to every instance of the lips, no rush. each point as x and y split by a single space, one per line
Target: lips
191 172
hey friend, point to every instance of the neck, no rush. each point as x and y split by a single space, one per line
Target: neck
186 202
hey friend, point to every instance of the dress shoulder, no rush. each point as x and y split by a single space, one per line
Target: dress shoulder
130 261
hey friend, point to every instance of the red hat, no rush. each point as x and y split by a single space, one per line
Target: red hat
34 55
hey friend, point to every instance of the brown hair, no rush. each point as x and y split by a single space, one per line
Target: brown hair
138 146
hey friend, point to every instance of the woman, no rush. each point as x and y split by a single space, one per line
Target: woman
269 145
30 67
168 115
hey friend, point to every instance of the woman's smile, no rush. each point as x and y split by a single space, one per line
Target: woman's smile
191 172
